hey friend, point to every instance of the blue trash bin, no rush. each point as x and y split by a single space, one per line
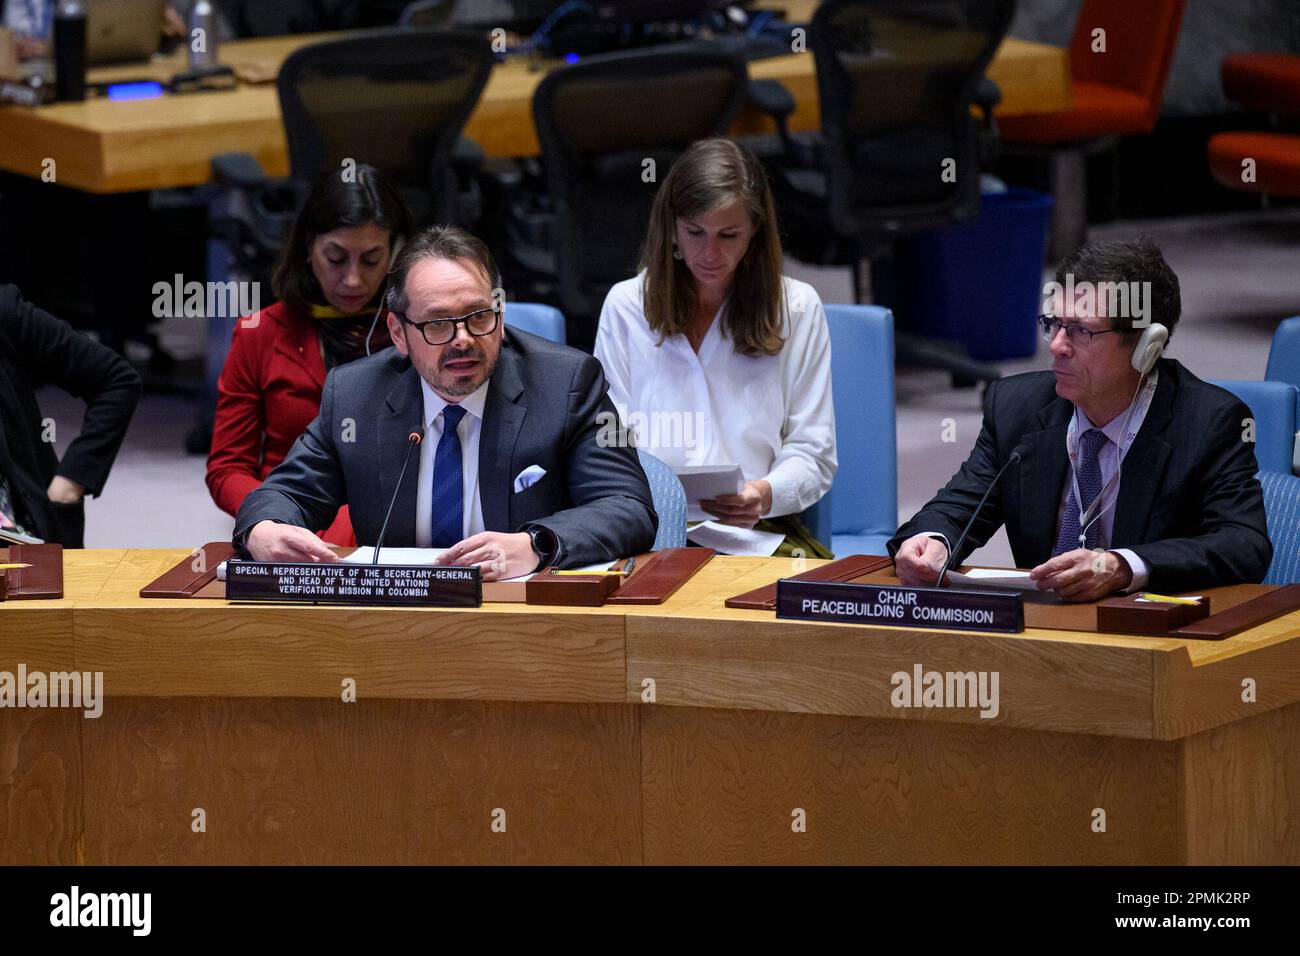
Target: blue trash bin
979 283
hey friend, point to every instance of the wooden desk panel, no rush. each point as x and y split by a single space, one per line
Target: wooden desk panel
236 709
108 147
721 787
375 782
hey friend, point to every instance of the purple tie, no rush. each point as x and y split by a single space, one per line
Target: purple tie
1090 444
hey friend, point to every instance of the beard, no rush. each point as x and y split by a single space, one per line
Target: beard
459 384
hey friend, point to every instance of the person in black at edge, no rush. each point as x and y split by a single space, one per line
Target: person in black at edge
39 494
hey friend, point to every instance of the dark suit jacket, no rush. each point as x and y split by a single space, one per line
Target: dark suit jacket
36 349
1189 504
542 405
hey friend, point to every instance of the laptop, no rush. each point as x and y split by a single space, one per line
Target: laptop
118 31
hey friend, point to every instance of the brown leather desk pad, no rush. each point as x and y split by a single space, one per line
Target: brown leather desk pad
42 581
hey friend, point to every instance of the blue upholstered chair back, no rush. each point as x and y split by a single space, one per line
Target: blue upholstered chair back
544 320
669 499
864 509
1284 366
1282 502
1273 406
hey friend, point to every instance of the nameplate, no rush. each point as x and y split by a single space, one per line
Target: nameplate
388 585
950 609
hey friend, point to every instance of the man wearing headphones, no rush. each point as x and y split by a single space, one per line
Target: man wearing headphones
1129 472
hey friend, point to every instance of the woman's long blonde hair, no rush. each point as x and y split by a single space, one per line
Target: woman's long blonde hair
713 173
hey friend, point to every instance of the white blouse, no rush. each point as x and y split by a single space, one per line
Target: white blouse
772 415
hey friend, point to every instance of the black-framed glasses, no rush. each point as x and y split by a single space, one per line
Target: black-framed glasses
1076 334
442 331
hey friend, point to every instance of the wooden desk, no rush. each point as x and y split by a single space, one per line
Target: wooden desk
539 712
104 147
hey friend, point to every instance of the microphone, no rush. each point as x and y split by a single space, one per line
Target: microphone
1014 456
412 440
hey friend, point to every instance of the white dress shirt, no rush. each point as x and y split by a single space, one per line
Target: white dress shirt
772 415
469 430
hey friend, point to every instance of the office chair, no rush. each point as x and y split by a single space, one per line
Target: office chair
397 99
609 129
1113 93
1273 406
898 150
1282 506
1284 366
669 500
1268 83
544 320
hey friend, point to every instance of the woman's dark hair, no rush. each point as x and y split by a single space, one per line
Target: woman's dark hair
341 198
712 173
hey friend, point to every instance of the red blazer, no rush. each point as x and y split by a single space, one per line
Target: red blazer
268 393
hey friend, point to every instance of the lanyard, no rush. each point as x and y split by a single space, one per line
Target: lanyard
1137 412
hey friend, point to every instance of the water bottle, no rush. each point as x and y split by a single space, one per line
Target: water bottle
203 46
70 50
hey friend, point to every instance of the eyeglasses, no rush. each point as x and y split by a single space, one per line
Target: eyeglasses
442 331
1075 332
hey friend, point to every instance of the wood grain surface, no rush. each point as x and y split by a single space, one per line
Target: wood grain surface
720 787
237 709
376 782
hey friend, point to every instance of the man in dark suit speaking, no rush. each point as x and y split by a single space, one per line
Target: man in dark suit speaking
511 475
1130 473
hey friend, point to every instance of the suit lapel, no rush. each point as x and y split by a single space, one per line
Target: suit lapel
1043 473
1143 468
403 410
503 418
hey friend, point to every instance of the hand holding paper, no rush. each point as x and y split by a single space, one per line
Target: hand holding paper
706 482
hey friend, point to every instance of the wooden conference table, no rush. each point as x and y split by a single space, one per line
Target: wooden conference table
536 720
112 147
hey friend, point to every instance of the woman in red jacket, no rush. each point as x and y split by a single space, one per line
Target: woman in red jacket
329 283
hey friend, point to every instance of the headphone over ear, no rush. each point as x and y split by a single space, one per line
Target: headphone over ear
1150 347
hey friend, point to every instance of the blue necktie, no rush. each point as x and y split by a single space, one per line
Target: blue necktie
448 482
1090 444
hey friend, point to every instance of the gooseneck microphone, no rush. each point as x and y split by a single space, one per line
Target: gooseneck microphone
1014 456
412 440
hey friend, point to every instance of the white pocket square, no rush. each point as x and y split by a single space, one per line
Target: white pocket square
529 477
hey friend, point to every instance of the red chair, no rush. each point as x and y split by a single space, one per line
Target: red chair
1269 83
1114 93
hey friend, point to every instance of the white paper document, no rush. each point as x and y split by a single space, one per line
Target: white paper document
728 539
416 556
703 482
1000 579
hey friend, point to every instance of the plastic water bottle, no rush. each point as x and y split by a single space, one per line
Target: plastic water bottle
203 45
70 50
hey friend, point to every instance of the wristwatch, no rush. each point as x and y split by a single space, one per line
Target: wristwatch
545 544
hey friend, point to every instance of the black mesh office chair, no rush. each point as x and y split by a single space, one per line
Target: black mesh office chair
601 123
897 80
397 99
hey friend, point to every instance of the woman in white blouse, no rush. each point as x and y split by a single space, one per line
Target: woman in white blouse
714 357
